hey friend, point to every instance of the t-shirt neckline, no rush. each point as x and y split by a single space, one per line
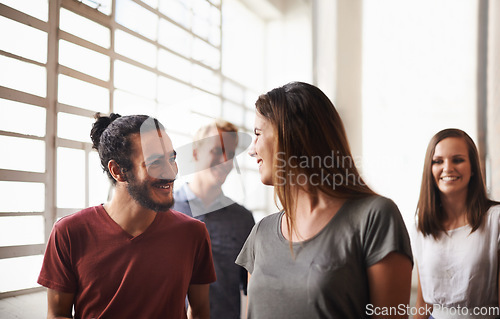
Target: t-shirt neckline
122 231
297 243
458 229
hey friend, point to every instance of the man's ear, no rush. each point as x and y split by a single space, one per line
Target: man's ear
195 154
116 171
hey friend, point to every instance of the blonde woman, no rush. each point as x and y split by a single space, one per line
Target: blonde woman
337 249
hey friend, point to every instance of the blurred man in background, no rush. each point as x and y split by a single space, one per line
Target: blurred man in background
228 223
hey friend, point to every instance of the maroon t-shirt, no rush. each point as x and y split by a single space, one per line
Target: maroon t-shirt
116 275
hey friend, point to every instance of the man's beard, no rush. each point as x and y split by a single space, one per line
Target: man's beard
140 193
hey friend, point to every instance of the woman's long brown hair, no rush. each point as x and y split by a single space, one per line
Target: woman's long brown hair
307 127
429 209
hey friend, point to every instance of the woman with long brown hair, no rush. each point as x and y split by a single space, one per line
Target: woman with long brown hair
456 240
337 249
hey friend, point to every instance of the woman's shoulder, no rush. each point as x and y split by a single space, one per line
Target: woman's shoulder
494 209
371 213
268 222
493 215
265 228
374 205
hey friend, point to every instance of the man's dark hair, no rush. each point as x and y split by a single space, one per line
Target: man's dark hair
110 137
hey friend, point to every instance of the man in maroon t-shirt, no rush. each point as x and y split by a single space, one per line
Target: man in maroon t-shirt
132 257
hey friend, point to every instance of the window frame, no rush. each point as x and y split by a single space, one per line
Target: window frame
53 107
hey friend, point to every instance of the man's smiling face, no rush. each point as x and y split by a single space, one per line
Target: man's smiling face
151 180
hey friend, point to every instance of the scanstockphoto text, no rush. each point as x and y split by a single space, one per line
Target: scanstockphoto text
406 310
323 165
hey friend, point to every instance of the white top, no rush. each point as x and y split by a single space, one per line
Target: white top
459 269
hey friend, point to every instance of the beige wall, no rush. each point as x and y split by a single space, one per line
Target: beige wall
493 112
434 87
337 34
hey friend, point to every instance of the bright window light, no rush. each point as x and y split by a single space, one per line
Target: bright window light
70 178
172 92
135 80
206 79
143 22
74 127
36 8
135 48
21 230
22 154
175 38
419 76
14 72
129 104
177 10
19 273
99 184
22 118
84 28
206 54
84 60
16 201
175 65
82 94
21 39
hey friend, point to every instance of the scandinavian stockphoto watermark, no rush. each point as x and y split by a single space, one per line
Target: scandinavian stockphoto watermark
164 158
406 310
324 165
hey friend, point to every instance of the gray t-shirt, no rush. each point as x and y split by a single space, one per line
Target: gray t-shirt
327 278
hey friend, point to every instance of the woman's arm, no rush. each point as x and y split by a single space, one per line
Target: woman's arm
390 285
423 309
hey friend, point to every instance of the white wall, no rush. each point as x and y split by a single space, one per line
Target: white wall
419 76
289 46
401 71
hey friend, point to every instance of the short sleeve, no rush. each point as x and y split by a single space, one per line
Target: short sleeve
385 232
246 257
57 271
203 269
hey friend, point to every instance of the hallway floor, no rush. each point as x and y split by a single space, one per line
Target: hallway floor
34 306
30 306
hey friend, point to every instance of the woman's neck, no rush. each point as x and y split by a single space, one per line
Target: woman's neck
308 205
312 213
455 210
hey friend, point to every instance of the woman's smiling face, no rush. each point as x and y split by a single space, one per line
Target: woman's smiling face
262 148
451 167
